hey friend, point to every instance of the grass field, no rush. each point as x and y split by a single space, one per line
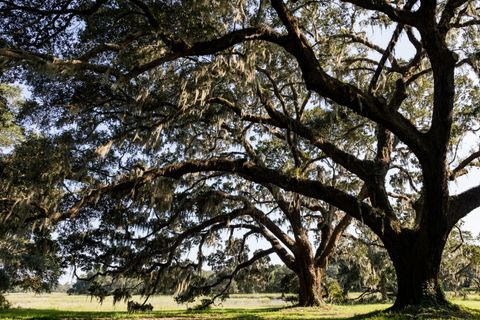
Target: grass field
242 307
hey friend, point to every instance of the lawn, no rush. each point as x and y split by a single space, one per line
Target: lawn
242 307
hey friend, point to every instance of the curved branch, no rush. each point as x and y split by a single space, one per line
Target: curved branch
281 252
344 94
178 48
14 54
376 219
354 38
362 168
469 23
30 9
460 169
260 217
399 15
229 277
321 256
449 12
462 204
181 48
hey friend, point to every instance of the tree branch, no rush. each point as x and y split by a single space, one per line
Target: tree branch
260 217
398 15
282 253
391 45
460 169
62 65
180 48
229 277
462 204
448 13
347 95
321 256
374 218
82 12
362 168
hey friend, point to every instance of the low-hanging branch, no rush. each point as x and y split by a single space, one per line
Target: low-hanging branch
310 188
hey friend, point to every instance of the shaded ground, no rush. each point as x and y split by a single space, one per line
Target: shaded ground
239 314
241 307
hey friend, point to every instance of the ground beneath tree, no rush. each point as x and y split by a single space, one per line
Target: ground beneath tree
452 312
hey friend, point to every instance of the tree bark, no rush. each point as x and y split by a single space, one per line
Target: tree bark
309 274
417 264
310 286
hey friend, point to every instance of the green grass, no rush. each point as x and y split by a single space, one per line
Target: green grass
65 302
238 307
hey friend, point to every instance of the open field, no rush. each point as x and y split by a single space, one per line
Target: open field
86 303
246 307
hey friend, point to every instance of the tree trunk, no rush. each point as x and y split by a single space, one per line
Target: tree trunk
417 264
310 286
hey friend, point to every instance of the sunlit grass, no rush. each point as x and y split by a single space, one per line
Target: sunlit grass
65 302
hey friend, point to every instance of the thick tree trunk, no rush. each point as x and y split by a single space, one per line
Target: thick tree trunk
310 286
417 264
309 274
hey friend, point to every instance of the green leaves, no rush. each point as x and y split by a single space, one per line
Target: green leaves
10 101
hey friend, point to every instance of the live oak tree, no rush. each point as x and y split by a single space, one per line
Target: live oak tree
28 263
137 225
166 90
137 238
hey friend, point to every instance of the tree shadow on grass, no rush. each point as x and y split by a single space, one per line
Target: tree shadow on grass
19 313
213 314
276 313
455 312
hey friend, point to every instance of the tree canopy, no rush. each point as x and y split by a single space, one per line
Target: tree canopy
149 106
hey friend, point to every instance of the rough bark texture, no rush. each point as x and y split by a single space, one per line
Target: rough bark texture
310 286
311 266
308 274
417 264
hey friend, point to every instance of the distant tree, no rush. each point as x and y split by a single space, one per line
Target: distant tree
101 286
62 287
281 280
28 262
79 287
166 90
461 262
28 255
362 264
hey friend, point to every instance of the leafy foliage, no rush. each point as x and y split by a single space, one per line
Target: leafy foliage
461 262
170 126
10 131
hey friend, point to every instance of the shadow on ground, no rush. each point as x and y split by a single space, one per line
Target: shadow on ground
323 313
